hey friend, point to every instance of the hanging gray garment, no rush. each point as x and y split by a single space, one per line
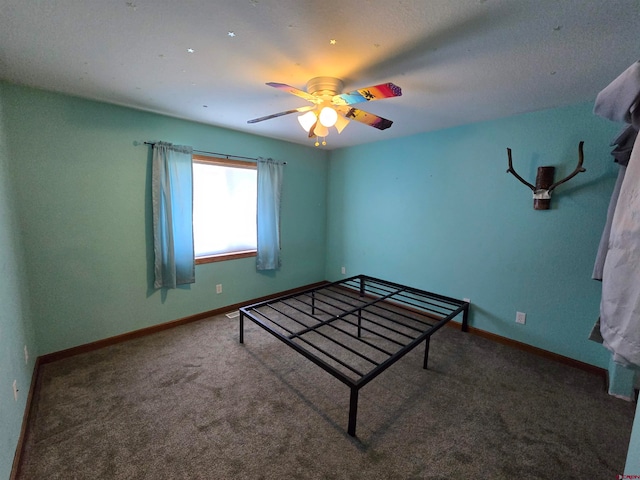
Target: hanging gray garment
595 334
622 152
624 145
620 304
604 240
616 100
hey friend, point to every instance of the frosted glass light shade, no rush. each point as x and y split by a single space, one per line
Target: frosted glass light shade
328 117
321 130
307 120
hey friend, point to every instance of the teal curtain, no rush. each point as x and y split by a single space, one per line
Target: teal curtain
268 214
172 198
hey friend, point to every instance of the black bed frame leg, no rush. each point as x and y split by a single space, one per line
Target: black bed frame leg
241 327
426 352
465 319
353 412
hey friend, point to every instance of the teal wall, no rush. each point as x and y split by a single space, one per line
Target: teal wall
16 329
439 212
82 198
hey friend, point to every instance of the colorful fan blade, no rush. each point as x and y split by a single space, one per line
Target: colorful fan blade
365 117
377 92
295 91
276 115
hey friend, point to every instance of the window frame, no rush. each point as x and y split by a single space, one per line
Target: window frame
224 162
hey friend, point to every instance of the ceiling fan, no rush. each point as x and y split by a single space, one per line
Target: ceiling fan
331 108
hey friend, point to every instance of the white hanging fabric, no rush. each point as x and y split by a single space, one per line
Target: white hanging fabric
620 304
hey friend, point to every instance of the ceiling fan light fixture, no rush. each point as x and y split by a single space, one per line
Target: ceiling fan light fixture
321 130
328 117
307 120
330 108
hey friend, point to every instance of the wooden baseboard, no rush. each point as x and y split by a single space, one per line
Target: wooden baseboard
69 352
601 372
88 347
33 389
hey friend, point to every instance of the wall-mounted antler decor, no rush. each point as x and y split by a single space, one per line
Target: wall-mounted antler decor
544 180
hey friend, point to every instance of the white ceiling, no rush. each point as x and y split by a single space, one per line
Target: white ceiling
457 61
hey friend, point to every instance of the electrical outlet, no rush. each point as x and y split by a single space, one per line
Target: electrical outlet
344 271
15 390
26 355
466 300
219 288
521 318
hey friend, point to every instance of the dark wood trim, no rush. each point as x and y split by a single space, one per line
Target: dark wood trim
34 387
224 162
601 372
88 347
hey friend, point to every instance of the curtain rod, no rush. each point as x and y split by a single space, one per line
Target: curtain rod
226 155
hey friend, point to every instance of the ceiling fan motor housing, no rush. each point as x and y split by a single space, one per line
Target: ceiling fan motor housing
322 86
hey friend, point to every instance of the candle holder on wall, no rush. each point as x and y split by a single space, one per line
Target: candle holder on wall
544 180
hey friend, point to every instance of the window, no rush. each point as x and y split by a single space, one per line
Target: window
224 209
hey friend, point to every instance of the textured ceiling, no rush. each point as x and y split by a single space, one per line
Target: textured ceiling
457 61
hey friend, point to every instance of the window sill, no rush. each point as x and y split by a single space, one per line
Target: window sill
225 256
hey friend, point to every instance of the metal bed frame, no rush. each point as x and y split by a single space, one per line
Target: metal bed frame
355 328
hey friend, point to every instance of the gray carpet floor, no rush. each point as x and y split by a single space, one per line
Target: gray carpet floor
193 403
